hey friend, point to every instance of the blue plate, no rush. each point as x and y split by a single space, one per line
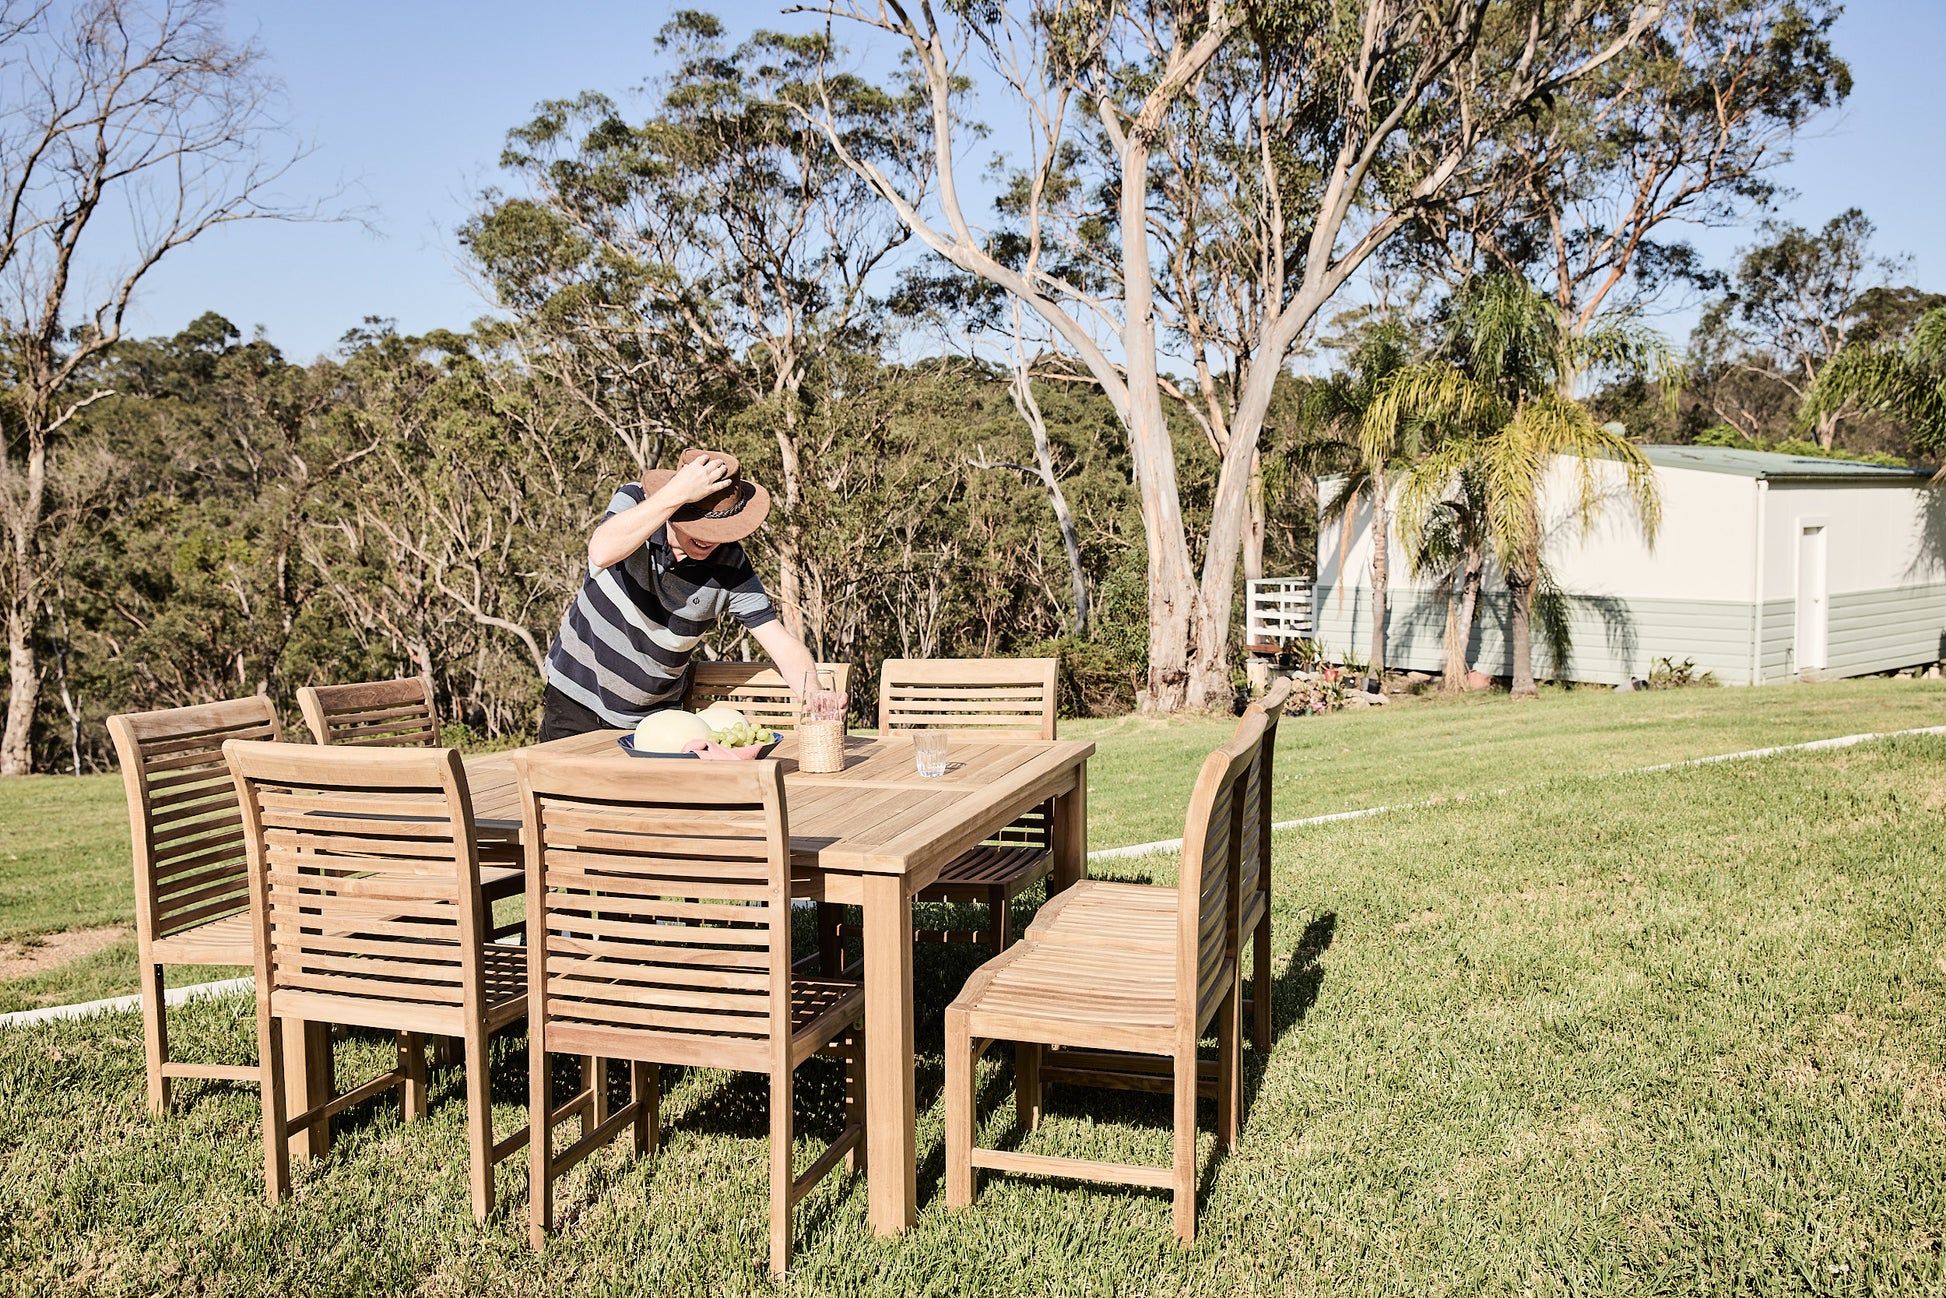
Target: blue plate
628 746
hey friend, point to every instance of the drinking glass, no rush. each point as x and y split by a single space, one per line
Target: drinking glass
929 752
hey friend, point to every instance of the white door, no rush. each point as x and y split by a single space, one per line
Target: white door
1813 599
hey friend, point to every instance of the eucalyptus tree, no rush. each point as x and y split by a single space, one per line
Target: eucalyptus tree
1498 402
1364 112
1903 377
715 252
1684 127
127 130
1789 309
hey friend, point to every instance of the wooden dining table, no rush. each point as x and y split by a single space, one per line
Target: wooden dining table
871 835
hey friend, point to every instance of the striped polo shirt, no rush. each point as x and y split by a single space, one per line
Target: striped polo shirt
626 641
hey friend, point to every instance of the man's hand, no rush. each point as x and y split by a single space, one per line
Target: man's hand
702 477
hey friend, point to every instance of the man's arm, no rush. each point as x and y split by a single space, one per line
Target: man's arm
628 531
788 652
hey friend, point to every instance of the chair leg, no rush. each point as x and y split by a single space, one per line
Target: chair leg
412 1062
1260 997
540 1142
1027 1084
855 1162
479 1121
596 1079
960 1059
1184 1167
155 1038
1229 1092
447 1051
831 946
999 916
277 1150
780 1170
645 1083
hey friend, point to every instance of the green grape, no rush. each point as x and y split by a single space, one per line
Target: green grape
742 735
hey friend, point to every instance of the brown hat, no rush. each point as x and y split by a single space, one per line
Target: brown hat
729 514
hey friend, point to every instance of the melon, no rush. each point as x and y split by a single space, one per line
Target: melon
721 716
667 731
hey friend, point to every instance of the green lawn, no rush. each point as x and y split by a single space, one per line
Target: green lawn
64 842
1674 1033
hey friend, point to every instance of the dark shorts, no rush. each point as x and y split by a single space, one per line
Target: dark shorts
561 717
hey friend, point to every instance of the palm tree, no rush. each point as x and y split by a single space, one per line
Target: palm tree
1337 406
1502 403
1904 378
1448 538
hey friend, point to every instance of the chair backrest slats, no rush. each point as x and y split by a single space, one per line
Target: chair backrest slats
968 694
379 714
1208 893
367 874
758 690
659 907
184 825
1256 808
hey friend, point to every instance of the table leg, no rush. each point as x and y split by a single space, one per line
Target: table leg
309 1080
891 1143
1071 834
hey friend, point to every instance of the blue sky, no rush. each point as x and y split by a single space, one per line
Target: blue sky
406 105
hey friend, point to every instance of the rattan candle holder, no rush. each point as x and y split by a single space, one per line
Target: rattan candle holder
821 746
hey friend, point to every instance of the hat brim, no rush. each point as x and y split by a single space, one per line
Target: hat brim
715 531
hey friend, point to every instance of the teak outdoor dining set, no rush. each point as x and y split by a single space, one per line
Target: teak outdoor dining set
359 875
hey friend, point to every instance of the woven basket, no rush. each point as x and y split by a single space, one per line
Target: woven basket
821 746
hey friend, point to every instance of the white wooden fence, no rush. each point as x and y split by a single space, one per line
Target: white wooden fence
1278 609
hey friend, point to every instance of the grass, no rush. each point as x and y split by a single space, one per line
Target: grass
1420 748
64 861
1664 1033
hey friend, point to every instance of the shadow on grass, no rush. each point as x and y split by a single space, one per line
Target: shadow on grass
738 1104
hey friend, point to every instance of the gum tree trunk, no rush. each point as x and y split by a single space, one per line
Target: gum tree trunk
24 499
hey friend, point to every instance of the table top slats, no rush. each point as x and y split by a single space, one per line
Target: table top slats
878 815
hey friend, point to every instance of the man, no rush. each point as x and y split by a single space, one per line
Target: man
663 566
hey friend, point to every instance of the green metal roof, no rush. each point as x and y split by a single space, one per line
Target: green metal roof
1775 467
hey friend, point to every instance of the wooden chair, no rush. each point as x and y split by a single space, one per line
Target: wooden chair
365 899
999 696
1173 976
192 879
757 690
660 914
400 714
382 714
1099 912
1255 869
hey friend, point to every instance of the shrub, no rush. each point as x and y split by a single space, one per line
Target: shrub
1665 674
1095 680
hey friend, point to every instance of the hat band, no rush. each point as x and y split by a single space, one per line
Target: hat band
744 492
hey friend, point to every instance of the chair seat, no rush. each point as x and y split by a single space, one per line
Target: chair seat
1071 994
1099 912
504 983
220 941
1011 866
821 1010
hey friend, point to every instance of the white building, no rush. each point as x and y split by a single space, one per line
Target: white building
1766 568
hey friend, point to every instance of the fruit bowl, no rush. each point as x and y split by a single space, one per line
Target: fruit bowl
749 752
